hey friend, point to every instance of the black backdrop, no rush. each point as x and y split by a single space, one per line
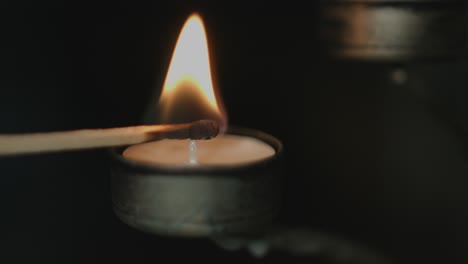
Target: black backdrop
378 163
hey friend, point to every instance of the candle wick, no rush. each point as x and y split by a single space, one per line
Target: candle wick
193 155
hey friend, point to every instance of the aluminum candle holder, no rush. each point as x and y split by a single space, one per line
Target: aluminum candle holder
200 200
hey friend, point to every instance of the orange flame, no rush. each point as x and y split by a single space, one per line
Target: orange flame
188 92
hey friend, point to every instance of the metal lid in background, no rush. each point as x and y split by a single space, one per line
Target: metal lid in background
393 30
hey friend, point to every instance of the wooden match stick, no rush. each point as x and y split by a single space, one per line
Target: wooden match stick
16 144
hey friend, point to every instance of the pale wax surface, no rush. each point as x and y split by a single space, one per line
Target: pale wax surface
222 150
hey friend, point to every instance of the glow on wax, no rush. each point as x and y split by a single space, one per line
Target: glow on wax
223 150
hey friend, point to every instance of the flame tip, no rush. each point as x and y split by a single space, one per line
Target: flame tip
194 17
194 14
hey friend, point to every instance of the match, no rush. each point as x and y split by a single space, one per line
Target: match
30 143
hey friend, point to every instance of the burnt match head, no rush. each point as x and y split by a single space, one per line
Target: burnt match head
201 129
204 129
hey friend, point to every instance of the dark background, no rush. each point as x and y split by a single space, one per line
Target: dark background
366 158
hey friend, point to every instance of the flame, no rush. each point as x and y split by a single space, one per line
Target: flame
188 92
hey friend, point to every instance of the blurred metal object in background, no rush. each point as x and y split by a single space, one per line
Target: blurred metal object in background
393 30
305 245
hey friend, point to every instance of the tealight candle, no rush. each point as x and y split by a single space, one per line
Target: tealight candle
234 188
